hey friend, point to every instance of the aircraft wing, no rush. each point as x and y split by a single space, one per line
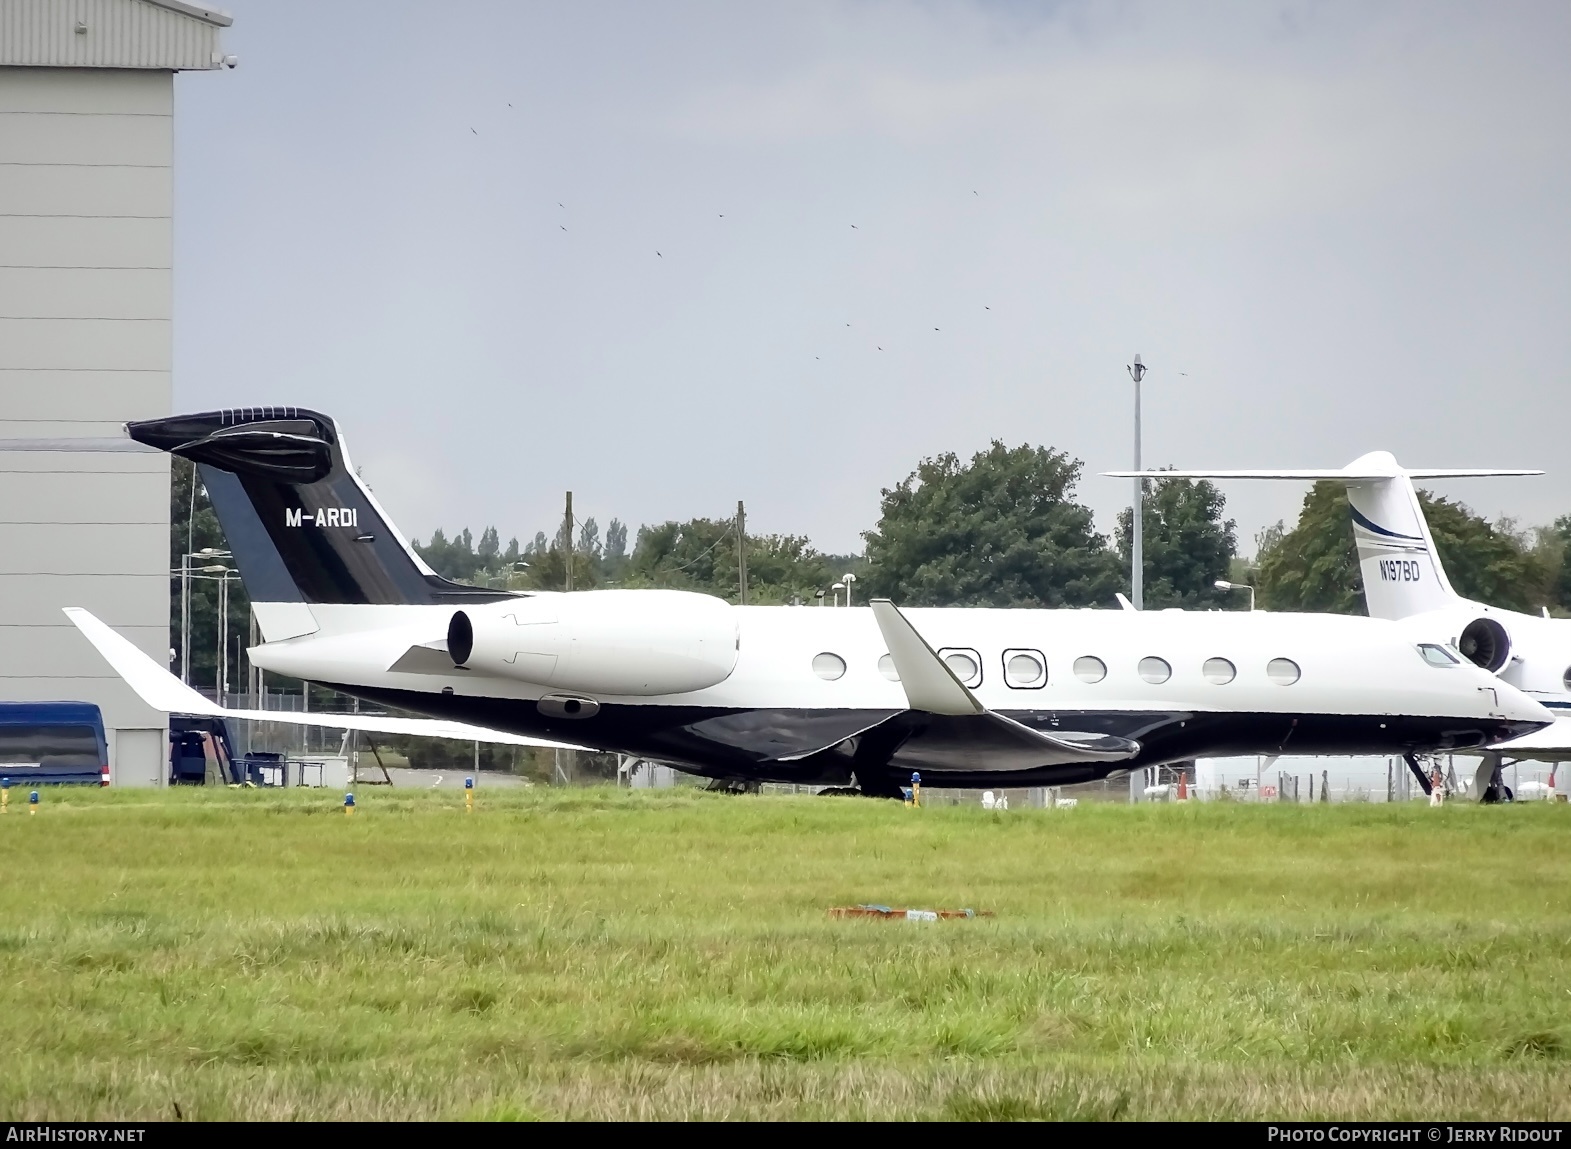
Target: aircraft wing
163 691
965 734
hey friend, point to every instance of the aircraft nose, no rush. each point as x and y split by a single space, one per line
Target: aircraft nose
1517 707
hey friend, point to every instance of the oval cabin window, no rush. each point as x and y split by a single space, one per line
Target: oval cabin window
1154 669
1089 668
965 664
1219 671
828 666
1282 671
886 667
1025 669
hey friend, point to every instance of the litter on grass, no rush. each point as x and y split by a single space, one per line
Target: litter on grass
896 913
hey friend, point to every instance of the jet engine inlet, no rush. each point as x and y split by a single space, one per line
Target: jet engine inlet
1485 643
460 638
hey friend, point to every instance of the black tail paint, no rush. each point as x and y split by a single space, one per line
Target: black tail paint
299 523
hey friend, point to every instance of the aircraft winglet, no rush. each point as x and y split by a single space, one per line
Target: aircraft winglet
163 691
929 684
932 687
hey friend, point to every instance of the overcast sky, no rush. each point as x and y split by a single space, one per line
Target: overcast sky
672 255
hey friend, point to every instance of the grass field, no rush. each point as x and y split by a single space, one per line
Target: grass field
603 953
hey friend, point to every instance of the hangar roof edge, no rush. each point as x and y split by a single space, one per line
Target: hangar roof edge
154 35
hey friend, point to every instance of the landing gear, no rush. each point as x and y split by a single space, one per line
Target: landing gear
1490 781
731 786
860 788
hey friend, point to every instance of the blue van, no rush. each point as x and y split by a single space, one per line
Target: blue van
53 743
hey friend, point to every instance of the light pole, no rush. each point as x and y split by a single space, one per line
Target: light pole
185 604
837 588
1223 584
1137 372
848 580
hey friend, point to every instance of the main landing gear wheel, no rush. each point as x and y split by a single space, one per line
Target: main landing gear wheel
731 786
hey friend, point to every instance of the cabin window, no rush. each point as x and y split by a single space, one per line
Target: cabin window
966 664
1154 669
886 667
1436 655
1025 669
1090 668
828 666
1565 679
1282 671
1219 671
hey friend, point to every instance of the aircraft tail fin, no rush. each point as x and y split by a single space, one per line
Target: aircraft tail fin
301 525
1401 569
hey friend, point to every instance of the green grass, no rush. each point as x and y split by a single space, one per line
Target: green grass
601 953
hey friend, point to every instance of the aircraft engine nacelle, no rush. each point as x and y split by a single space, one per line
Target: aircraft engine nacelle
1485 643
630 642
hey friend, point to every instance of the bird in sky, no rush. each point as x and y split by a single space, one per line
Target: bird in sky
973 191
562 227
473 132
561 205
855 228
935 329
661 256
986 308
880 348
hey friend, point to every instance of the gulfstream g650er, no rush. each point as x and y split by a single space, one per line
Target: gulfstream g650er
967 697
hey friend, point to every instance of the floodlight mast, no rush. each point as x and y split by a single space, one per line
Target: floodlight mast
1137 372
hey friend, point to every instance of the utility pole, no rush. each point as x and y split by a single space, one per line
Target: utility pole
741 553
1137 519
567 543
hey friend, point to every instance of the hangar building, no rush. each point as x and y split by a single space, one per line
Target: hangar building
86 250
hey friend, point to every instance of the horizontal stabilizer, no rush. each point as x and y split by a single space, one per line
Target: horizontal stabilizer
163 691
1349 474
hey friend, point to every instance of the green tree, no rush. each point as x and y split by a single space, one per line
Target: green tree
1553 549
1486 561
1314 566
1186 547
614 558
1000 530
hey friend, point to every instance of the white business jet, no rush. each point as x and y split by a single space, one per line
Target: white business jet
856 696
1405 581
